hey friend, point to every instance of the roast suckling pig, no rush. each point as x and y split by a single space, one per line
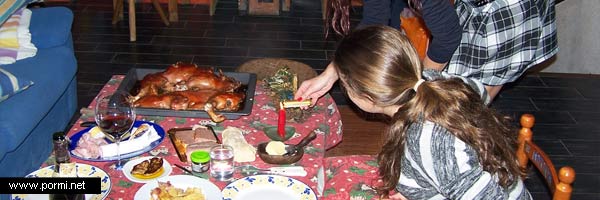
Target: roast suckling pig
185 86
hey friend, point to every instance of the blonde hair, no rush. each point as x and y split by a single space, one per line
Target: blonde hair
379 63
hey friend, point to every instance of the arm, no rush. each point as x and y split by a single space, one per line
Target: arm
318 86
376 12
443 24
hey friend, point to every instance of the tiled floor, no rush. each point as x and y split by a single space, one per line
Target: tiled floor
567 108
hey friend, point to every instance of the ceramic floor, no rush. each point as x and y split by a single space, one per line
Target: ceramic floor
567 108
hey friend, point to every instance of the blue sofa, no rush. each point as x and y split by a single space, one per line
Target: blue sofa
29 118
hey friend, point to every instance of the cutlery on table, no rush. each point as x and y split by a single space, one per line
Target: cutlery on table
248 170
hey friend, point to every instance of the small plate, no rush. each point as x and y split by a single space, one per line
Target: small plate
75 138
268 187
210 190
83 170
129 166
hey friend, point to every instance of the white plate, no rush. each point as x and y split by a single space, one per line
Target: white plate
210 190
83 170
129 166
268 187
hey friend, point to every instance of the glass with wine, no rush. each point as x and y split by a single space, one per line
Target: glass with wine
114 115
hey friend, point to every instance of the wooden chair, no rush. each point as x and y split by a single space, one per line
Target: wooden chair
118 14
559 184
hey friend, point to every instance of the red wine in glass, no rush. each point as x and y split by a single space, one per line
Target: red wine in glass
115 126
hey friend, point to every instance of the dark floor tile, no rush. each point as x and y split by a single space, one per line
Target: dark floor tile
312 21
586 117
133 48
241 34
553 147
529 80
287 53
586 183
567 105
290 28
321 45
209 51
188 33
221 26
106 68
541 93
151 58
189 41
220 61
573 132
94 56
513 104
586 86
589 196
266 20
114 38
583 147
206 18
561 118
94 78
85 46
303 36
582 165
287 44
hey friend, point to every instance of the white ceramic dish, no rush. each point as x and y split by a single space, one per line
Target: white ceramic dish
210 190
83 170
268 187
129 166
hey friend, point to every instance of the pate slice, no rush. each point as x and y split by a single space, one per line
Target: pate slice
243 152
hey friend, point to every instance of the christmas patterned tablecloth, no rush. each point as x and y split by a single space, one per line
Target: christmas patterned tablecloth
325 119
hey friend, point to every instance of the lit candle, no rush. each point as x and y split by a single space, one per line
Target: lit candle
281 122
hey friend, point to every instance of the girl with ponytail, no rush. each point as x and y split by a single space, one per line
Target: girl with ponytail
443 142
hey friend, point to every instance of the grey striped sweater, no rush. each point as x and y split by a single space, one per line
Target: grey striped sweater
437 165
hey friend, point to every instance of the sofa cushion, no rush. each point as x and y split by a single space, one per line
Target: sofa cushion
8 7
49 28
51 69
11 84
15 39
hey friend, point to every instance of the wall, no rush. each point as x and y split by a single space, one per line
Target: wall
578 24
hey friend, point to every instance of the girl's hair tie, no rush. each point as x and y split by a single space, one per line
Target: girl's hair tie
418 84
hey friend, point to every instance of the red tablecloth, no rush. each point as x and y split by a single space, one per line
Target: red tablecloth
325 119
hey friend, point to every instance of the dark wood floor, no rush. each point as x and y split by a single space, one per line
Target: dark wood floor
567 108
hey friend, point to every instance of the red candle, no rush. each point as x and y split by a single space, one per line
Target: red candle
281 122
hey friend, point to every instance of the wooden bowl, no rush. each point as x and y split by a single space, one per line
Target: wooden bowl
279 160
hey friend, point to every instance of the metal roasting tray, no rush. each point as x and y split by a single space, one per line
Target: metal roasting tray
248 81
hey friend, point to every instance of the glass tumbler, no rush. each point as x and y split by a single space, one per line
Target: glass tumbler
221 162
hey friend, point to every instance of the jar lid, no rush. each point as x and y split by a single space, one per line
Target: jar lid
58 136
200 156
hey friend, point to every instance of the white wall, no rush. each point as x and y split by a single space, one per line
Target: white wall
578 24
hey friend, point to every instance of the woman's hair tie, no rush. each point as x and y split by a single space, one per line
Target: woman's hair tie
418 84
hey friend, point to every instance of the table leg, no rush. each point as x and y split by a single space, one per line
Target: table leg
173 15
132 33
117 11
159 9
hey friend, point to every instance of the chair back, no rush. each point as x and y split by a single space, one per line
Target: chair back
559 184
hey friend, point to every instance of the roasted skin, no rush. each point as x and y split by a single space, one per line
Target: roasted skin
189 87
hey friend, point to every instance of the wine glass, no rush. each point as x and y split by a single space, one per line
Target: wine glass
114 115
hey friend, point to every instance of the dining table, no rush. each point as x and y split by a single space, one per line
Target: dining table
323 118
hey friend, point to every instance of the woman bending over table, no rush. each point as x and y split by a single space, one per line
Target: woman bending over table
443 142
492 41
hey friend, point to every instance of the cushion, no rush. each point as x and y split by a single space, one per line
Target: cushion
15 39
8 7
10 84
51 27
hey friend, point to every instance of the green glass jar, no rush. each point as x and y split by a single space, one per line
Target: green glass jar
200 161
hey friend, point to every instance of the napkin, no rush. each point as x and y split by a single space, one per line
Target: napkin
128 146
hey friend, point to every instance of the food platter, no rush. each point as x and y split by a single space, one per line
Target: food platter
210 190
83 170
248 81
268 187
77 136
130 164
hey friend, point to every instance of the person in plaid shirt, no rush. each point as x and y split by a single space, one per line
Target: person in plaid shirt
492 41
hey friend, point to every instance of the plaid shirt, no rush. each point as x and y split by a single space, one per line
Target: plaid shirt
504 38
